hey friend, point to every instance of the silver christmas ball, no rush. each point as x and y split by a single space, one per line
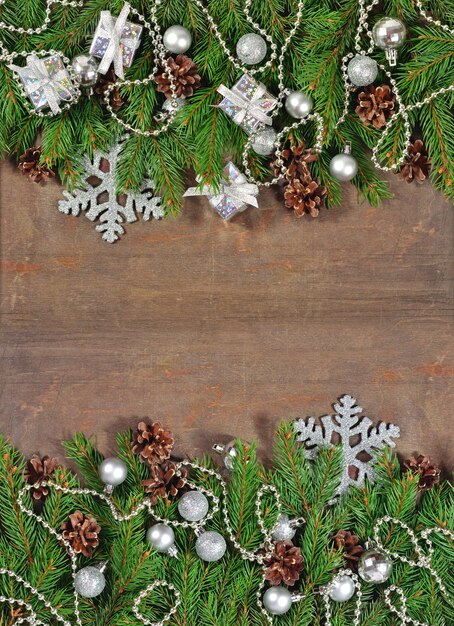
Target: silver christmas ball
113 471
161 537
89 582
210 546
343 166
362 70
167 104
374 566
342 589
251 49
177 39
389 33
193 506
85 68
298 104
283 531
263 142
277 600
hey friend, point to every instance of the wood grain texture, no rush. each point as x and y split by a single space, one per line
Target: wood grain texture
222 330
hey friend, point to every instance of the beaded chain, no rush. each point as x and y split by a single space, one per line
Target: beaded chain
325 593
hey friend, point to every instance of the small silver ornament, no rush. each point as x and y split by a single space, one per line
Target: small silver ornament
389 33
228 452
362 70
342 588
167 104
343 166
177 39
375 566
85 69
193 506
264 142
251 49
113 472
284 530
210 546
161 537
298 104
277 600
90 581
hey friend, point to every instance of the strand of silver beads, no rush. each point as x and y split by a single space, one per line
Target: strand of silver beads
432 20
325 593
35 31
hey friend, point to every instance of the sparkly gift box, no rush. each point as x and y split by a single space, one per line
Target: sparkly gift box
247 86
131 33
226 206
54 65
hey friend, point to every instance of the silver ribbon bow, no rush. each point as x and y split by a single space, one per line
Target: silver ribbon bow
239 192
251 106
111 29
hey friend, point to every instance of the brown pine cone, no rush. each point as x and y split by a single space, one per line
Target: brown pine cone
164 482
417 164
37 471
187 80
376 105
349 544
152 442
296 159
104 81
304 195
284 564
429 473
30 164
82 532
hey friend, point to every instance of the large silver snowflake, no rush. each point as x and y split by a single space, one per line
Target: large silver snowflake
359 437
97 197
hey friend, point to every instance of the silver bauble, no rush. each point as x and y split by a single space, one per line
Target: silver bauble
177 39
85 69
167 104
342 588
210 546
264 141
343 166
362 70
193 506
228 452
251 49
389 33
113 471
374 566
89 582
161 537
277 600
298 104
283 531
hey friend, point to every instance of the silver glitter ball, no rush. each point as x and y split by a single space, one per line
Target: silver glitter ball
113 471
298 104
264 142
85 68
374 566
343 167
277 600
161 537
362 70
342 589
210 546
283 531
389 33
193 506
177 39
89 582
251 49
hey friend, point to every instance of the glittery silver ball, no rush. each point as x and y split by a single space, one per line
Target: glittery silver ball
362 70
263 142
210 546
85 68
277 600
389 33
89 582
161 537
251 49
298 104
343 166
342 589
193 506
283 531
374 566
177 39
113 471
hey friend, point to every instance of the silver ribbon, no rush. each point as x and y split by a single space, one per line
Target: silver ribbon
49 84
111 29
245 193
251 106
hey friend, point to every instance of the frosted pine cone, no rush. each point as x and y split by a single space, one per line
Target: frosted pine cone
152 442
284 564
184 70
82 532
164 482
37 471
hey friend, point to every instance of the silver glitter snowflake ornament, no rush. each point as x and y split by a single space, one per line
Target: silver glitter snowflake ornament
357 434
100 201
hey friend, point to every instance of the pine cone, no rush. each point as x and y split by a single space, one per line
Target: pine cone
296 159
29 163
376 105
429 473
152 443
187 80
116 100
164 482
37 471
349 544
82 532
417 164
284 564
304 195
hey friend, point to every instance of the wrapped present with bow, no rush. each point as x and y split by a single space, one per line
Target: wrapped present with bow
234 193
248 103
115 41
46 81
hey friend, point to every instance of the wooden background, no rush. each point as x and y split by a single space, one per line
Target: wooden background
222 330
